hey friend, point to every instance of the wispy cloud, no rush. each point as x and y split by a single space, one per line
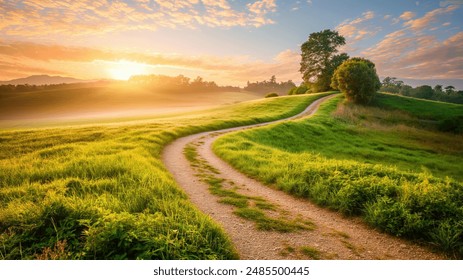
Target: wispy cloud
11 70
356 29
424 22
407 15
413 52
451 2
421 56
77 17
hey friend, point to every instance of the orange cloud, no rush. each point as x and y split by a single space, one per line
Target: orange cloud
418 56
424 22
355 29
79 17
9 70
407 15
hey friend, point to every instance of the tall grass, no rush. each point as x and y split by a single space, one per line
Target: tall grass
383 166
102 192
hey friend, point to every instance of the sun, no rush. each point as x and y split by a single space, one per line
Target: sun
123 69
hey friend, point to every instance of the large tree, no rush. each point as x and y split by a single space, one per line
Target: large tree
319 58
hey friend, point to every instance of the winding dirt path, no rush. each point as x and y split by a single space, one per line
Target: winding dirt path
333 237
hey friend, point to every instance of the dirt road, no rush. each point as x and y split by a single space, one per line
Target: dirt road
331 236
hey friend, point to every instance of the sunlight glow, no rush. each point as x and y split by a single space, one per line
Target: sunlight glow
123 69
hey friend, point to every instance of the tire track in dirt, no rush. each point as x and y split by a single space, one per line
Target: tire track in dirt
333 237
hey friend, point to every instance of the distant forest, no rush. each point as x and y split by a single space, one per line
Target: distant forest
178 83
155 82
438 93
165 83
270 86
27 87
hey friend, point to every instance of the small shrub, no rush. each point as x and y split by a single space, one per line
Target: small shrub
302 89
292 91
449 237
453 124
311 252
272 94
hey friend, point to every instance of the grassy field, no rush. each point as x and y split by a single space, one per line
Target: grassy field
420 108
101 191
374 162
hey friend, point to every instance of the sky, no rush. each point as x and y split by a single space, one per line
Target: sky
228 41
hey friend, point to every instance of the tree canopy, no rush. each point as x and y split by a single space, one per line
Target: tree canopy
357 78
319 58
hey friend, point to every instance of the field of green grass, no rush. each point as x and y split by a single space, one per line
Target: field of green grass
420 108
101 192
378 162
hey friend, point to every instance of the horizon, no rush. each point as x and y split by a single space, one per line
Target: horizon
230 42
457 83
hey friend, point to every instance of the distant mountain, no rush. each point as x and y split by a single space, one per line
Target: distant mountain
457 83
42 80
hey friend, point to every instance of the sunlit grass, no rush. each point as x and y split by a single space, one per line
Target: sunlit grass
102 192
420 108
382 165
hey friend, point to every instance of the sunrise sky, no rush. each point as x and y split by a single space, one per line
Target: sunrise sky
229 41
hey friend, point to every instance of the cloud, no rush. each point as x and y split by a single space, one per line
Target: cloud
260 9
80 17
407 15
450 2
412 52
424 22
423 56
262 6
12 70
356 29
70 60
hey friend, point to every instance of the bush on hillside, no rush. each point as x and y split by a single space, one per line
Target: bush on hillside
357 78
272 94
454 125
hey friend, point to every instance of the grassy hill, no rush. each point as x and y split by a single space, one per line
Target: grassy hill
383 164
101 192
420 108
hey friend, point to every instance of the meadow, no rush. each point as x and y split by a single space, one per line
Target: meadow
387 163
100 191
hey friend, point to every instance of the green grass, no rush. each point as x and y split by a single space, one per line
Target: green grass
311 252
420 108
101 191
380 164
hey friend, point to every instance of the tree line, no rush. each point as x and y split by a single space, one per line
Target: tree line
178 83
270 86
27 87
438 93
154 82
